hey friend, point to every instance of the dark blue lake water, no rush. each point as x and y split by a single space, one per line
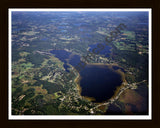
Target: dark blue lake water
64 56
99 81
106 51
74 60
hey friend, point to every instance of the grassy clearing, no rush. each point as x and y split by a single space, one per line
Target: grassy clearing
38 89
13 90
49 97
24 54
129 34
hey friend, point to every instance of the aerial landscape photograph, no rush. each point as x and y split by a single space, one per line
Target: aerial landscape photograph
79 62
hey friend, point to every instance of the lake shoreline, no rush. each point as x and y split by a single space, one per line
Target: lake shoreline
92 99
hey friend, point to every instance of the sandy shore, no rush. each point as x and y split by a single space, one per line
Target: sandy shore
78 78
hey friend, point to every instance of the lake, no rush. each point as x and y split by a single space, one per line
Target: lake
64 56
106 51
99 82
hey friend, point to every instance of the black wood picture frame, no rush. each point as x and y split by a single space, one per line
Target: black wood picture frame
6 4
